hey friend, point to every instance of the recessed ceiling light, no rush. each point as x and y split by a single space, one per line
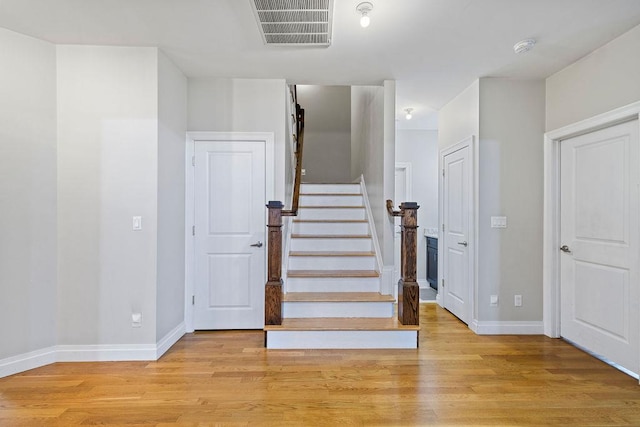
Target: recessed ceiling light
524 45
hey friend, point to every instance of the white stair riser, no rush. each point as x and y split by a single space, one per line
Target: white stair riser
331 213
331 228
336 244
341 339
332 263
333 284
337 309
330 188
331 201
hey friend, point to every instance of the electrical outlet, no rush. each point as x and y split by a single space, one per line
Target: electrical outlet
136 320
493 300
517 300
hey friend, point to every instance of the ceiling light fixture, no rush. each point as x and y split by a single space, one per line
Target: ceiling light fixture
364 8
408 115
524 45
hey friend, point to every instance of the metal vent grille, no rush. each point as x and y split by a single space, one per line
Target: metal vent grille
294 22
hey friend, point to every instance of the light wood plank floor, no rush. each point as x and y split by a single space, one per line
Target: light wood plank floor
228 378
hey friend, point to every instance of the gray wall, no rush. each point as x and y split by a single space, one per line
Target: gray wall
420 149
508 118
605 79
242 105
172 127
460 117
107 173
327 136
511 168
27 194
373 157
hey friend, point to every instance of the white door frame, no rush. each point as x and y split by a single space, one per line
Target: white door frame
406 166
551 233
193 138
472 143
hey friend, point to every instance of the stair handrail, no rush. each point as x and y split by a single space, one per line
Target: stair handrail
408 288
299 138
273 295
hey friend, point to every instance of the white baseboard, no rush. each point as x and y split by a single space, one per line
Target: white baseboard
90 353
170 339
23 362
423 284
105 352
507 327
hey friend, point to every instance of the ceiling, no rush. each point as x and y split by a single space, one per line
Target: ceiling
432 48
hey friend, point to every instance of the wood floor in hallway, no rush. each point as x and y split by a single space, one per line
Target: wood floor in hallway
228 378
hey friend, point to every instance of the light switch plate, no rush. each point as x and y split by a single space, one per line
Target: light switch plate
498 222
494 300
137 223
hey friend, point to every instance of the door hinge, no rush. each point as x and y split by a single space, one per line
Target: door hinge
193 160
193 230
442 227
442 172
193 300
443 283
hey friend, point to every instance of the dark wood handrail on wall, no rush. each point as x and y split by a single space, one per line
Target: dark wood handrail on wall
408 289
273 287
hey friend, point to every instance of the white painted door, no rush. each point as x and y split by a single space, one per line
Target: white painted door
229 220
599 227
456 204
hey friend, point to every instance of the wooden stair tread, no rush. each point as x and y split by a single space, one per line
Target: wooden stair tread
330 207
332 273
331 221
330 236
331 183
331 194
337 297
331 253
342 324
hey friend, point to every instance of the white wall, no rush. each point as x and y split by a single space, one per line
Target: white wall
172 128
27 194
107 173
242 105
511 178
327 135
420 149
605 79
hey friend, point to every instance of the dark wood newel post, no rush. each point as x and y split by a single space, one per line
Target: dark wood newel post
408 289
273 288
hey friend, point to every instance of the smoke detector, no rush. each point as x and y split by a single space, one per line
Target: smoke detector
524 45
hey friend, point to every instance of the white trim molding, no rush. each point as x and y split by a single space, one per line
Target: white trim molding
270 192
90 353
551 237
506 327
24 362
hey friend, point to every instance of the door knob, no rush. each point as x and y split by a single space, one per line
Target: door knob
565 248
257 245
465 244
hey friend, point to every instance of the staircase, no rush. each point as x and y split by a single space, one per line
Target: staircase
332 293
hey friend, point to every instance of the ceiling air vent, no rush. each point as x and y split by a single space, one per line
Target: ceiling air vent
294 22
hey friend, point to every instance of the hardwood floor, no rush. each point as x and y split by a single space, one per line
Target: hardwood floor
228 378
